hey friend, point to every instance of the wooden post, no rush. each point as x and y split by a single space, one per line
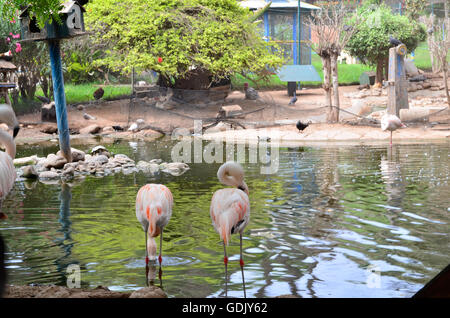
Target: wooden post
397 89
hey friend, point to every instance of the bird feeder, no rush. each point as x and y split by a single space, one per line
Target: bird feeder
6 70
71 25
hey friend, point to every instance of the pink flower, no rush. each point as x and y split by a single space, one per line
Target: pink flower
18 47
12 21
16 36
8 40
10 33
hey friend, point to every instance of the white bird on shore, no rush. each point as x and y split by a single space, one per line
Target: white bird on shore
391 122
230 209
7 170
8 117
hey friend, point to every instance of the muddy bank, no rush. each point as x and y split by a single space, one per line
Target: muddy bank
53 291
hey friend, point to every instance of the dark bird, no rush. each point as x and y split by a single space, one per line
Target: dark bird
7 56
301 126
99 93
394 41
347 28
250 93
117 128
293 100
43 99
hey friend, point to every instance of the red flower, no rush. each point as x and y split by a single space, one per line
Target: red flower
18 47
160 59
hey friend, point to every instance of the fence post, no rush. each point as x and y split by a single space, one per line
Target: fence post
397 89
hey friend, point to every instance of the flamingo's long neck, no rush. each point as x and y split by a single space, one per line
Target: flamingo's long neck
7 141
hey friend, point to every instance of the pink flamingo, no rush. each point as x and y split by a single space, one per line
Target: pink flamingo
230 209
7 170
391 122
153 209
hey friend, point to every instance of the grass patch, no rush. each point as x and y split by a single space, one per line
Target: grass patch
83 93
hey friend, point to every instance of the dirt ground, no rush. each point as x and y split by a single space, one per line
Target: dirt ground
270 110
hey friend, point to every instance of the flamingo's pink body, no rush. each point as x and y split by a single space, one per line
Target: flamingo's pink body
153 210
7 170
230 208
391 123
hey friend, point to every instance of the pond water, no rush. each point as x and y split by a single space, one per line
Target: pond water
343 221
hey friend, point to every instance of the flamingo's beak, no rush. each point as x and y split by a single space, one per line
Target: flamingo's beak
16 131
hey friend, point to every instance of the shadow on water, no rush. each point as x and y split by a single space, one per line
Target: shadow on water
355 221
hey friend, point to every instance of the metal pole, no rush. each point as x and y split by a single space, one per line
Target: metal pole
299 20
60 99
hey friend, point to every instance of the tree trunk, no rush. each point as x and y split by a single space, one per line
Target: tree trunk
445 72
326 65
334 115
379 71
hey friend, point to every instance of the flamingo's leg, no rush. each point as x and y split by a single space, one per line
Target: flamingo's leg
160 247
146 249
241 262
225 261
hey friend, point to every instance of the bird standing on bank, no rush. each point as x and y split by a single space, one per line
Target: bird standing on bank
250 92
391 123
230 209
293 100
99 93
301 126
153 210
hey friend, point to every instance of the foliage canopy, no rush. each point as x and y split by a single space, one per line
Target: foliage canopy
370 42
180 38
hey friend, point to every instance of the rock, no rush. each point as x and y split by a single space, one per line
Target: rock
107 130
48 175
364 86
410 68
80 107
29 172
426 85
174 168
91 129
49 129
122 159
102 159
77 155
231 111
418 78
54 161
48 112
69 171
148 292
88 117
19 162
147 167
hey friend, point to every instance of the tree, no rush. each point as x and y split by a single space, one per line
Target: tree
370 42
439 43
190 43
30 58
333 33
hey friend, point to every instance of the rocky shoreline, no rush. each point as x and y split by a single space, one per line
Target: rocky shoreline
98 162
